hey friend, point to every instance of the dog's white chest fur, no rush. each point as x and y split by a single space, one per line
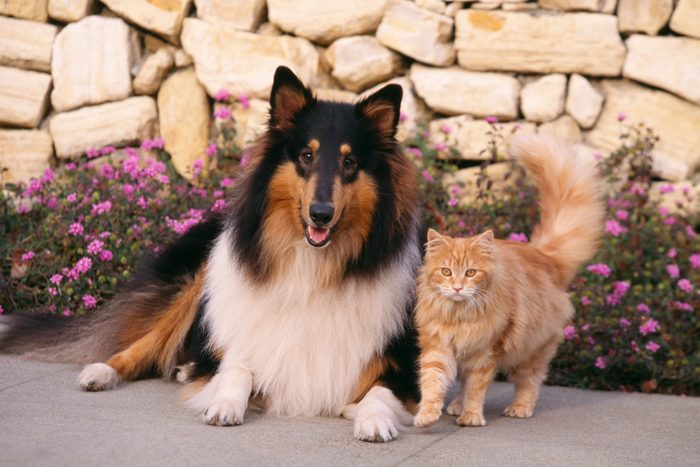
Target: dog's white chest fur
305 346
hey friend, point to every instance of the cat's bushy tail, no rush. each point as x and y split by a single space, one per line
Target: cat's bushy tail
572 212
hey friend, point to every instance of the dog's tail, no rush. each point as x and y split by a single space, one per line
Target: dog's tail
572 212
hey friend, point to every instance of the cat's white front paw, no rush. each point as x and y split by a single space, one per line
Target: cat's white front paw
455 407
98 377
225 412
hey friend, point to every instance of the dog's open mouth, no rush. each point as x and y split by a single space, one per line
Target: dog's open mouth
317 236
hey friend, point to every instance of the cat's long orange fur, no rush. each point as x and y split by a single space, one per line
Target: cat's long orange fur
486 305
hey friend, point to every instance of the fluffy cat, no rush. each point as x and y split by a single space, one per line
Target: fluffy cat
485 305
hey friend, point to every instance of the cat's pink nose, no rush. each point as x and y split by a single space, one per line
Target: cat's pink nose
457 289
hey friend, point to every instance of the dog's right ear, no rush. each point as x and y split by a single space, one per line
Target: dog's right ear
288 97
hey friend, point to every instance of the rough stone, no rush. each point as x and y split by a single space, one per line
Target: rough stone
23 96
671 63
116 123
222 58
564 128
470 137
454 91
572 5
91 63
676 121
418 33
519 6
26 44
25 154
647 16
467 179
245 15
35 10
411 110
162 17
685 197
361 61
153 71
336 95
686 18
583 102
70 11
438 6
584 43
250 122
543 100
324 21
184 116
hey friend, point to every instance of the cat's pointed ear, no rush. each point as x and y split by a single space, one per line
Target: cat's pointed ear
288 97
382 109
484 241
435 240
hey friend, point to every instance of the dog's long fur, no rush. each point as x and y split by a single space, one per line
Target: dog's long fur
310 311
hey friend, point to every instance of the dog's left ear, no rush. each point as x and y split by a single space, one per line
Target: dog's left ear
382 109
288 97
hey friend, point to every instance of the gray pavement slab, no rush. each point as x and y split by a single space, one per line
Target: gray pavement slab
46 420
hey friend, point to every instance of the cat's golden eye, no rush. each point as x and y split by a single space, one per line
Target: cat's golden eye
471 272
446 272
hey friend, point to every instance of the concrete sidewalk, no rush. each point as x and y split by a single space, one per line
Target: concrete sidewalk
46 420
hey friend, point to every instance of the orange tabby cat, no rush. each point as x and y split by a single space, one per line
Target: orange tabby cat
486 305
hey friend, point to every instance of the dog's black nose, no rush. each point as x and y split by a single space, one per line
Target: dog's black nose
321 213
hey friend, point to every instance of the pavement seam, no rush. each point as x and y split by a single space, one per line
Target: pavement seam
35 379
425 448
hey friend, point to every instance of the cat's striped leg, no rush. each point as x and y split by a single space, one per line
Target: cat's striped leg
437 372
475 386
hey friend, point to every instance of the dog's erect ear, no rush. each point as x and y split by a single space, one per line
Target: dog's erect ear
288 97
382 109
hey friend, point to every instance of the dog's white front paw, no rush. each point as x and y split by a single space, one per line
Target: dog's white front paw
224 412
379 416
375 426
98 377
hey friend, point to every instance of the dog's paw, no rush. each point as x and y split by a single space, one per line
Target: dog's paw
427 416
182 373
224 412
519 411
455 408
471 419
375 427
98 377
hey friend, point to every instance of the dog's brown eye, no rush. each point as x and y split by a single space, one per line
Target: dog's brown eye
306 156
446 272
471 272
349 163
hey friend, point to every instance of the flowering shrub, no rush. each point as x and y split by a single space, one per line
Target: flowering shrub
72 236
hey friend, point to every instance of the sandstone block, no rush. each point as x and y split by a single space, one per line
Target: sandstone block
222 58
69 11
686 18
34 10
585 43
25 154
184 116
153 71
23 97
676 121
572 5
543 100
250 122
418 33
564 128
162 17
361 61
324 21
583 102
116 123
647 16
91 63
454 91
245 15
671 63
26 44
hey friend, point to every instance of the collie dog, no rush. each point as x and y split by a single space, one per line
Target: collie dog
299 299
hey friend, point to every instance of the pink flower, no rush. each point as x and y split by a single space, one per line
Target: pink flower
48 177
569 332
245 159
219 205
105 255
622 215
427 177
222 95
585 301
403 116
149 144
56 279
222 113
597 156
212 149
71 198
452 201
142 203
634 346
690 232
416 152
625 323
95 247
197 166
621 287
441 147
600 269
673 271
244 100
638 190
669 220
621 117
491 119
685 285
518 237
695 260
71 166
461 224
2 310
614 228
226 182
66 312
672 253
643 308
92 153
101 208
668 188
600 363
649 326
89 301
445 128
107 150
107 171
682 306
652 346
52 291
27 256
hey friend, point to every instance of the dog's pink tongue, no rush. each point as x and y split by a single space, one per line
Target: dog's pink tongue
318 235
